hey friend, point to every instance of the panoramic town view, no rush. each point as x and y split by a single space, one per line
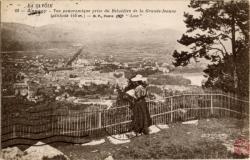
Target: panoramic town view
119 89
81 78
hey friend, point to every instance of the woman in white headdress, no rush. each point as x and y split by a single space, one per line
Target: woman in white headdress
141 117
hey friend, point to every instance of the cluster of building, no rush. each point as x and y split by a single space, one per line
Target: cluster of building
43 74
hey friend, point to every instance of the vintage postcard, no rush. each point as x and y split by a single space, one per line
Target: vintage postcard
87 80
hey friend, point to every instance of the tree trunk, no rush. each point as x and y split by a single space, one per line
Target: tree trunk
235 76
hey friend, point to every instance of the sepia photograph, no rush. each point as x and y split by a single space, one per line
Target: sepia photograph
119 80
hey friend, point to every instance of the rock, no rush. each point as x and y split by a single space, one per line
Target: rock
130 134
94 151
94 142
118 139
12 153
163 126
42 151
153 129
194 122
109 158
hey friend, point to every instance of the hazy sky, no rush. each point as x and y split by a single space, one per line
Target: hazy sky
145 21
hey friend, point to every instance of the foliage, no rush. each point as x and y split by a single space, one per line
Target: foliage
118 75
187 70
72 76
102 89
219 24
57 157
47 92
155 89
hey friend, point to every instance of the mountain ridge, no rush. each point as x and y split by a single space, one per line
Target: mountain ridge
148 43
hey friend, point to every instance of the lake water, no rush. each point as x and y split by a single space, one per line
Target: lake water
196 78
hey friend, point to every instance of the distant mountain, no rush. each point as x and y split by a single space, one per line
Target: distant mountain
19 37
120 42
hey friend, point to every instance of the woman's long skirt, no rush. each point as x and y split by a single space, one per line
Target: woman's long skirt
141 118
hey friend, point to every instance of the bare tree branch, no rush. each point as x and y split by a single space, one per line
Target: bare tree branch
222 35
218 49
223 47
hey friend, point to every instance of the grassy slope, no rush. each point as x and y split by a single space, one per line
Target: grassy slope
180 141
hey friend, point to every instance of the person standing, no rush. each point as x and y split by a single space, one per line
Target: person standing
141 117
